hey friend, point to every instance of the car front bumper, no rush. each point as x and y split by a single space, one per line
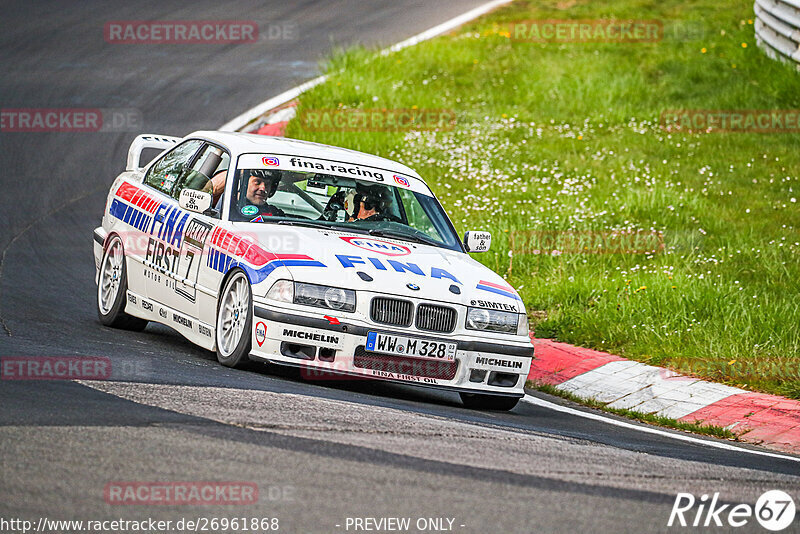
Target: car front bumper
327 348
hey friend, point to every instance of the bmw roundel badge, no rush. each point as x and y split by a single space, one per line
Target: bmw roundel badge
412 287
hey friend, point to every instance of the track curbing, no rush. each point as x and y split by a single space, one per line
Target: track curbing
767 420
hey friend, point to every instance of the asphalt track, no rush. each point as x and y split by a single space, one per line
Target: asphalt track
319 452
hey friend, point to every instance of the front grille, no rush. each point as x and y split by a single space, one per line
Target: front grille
391 311
436 318
441 370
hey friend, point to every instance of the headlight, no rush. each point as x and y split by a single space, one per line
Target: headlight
282 290
496 321
333 298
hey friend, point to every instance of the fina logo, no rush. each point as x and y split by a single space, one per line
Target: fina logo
270 161
402 181
379 246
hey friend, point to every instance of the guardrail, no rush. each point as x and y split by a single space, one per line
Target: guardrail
777 29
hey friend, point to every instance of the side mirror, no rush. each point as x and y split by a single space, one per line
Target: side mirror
195 201
477 241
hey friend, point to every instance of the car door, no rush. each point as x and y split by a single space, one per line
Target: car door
164 235
211 162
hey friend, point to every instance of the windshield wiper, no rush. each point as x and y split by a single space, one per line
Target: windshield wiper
382 232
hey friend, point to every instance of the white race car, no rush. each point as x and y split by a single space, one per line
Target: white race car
302 254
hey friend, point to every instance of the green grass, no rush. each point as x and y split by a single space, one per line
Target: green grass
696 428
565 137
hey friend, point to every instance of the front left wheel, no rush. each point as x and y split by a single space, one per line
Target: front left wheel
112 289
234 321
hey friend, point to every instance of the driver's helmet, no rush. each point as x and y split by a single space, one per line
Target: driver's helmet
375 197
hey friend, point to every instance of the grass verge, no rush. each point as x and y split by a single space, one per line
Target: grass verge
564 139
696 428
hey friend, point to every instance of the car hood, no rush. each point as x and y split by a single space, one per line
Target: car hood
396 267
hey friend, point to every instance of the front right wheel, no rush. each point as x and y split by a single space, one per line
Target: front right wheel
481 401
234 321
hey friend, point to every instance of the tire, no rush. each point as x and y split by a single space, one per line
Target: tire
234 309
478 401
112 289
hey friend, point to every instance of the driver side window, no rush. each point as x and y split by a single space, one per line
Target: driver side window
166 171
208 173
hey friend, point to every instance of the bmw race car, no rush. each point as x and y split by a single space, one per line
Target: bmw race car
302 254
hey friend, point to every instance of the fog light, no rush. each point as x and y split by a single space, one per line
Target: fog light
477 375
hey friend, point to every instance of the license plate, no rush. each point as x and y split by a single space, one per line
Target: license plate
411 347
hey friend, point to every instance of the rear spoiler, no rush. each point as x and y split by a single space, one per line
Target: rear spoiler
161 142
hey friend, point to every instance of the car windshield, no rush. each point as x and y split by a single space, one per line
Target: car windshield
327 200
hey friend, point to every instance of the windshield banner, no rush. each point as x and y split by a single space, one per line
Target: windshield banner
335 168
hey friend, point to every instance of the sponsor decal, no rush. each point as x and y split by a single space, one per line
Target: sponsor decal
131 298
261 332
344 169
147 305
506 291
193 242
162 312
493 305
165 223
204 330
197 232
401 181
181 320
389 375
348 261
311 336
331 320
378 245
249 210
230 250
500 363
270 161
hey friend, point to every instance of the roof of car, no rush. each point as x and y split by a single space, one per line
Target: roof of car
243 143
